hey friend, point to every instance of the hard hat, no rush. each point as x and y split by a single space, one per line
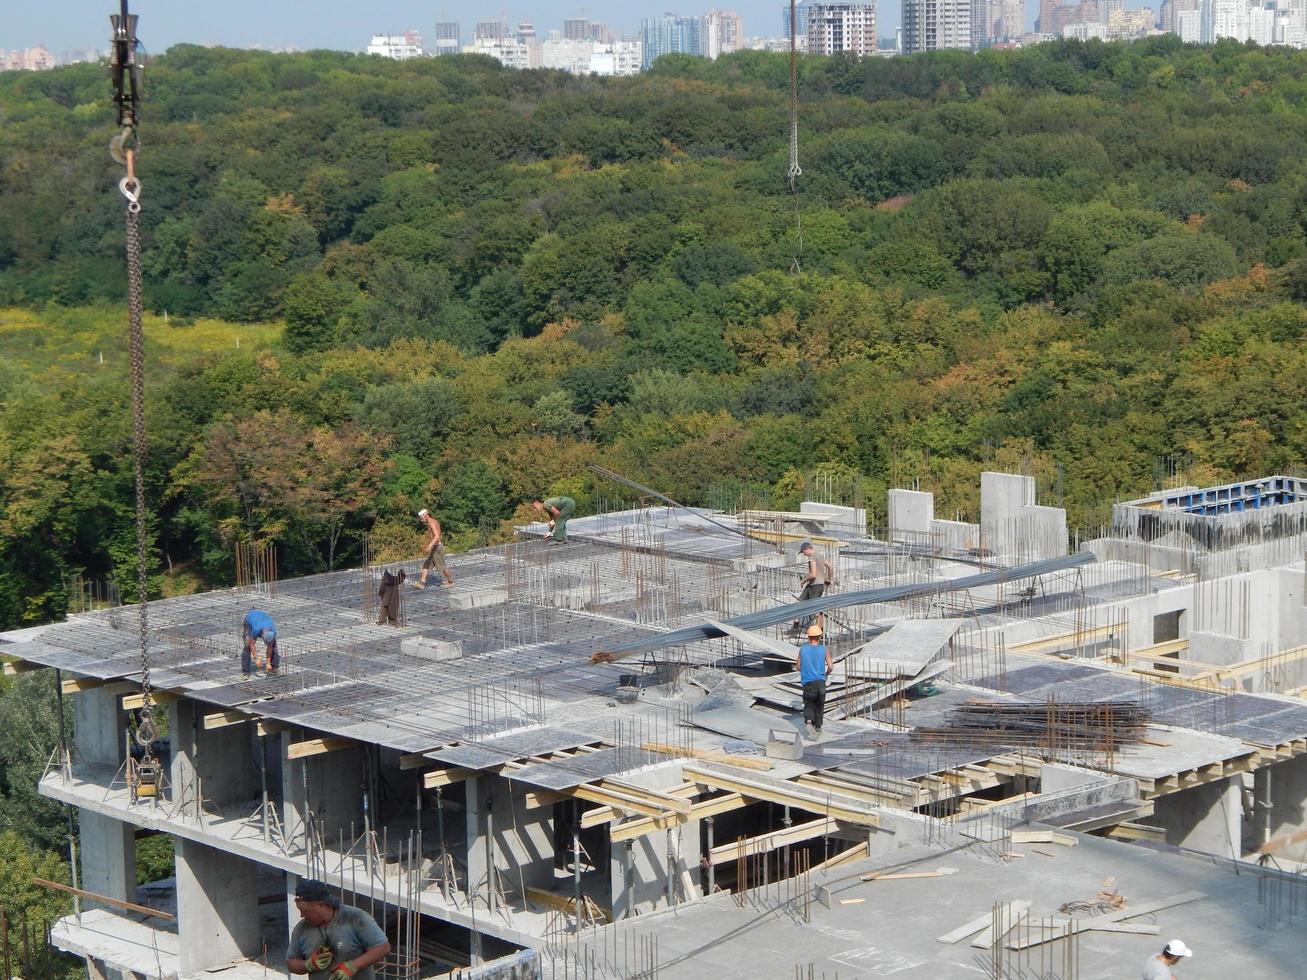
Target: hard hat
814 630
1177 948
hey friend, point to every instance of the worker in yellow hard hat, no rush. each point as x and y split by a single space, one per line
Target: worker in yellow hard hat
814 663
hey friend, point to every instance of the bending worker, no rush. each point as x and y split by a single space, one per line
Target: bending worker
558 510
813 664
258 625
435 558
333 941
815 580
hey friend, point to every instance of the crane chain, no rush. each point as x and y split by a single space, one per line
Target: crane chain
146 730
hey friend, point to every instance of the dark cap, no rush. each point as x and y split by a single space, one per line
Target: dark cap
309 890
806 544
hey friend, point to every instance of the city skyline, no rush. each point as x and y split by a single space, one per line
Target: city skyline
338 25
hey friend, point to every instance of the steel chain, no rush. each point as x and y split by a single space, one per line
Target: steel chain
146 730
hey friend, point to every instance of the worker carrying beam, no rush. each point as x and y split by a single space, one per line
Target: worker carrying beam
814 663
435 559
558 510
258 625
333 941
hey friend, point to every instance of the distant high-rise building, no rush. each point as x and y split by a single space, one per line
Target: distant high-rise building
576 29
509 51
616 58
837 27
932 25
449 37
800 16
1006 19
526 32
601 33
1047 15
401 47
669 34
490 30
721 32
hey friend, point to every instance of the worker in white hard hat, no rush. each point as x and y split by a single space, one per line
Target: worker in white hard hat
814 663
1159 966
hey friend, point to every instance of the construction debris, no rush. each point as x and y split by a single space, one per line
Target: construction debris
1099 726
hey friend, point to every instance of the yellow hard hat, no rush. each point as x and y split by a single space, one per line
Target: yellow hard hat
814 630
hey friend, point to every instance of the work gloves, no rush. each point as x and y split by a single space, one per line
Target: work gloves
321 958
343 971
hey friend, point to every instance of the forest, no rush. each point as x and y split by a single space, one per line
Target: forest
374 286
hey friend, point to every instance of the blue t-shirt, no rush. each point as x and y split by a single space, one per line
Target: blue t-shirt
812 662
256 620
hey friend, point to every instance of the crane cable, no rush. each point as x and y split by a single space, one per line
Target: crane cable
795 171
123 148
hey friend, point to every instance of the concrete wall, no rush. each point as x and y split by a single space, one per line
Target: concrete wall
1205 818
1287 785
910 512
217 907
521 840
108 846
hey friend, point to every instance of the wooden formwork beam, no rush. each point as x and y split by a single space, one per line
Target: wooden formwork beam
15 667
772 840
447 776
833 805
134 702
607 814
221 719
707 808
317 746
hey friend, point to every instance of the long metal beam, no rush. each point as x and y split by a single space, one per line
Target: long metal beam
810 607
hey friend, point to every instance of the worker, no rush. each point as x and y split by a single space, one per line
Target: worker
332 941
435 558
1159 967
258 625
558 510
814 663
817 576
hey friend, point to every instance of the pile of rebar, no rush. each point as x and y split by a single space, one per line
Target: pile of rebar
1093 725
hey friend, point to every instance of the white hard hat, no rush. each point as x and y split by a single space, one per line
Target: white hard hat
1177 947
423 512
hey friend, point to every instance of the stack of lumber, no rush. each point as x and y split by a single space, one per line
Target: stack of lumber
1096 725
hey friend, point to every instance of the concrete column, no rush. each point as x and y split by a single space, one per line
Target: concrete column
293 794
1205 818
99 724
479 840
1285 786
217 907
108 856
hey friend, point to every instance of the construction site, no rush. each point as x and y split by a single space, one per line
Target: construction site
1042 757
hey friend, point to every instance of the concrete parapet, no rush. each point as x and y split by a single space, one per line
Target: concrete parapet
910 511
474 598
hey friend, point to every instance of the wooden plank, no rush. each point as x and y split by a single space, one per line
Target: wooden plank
771 840
707 755
655 797
617 799
1007 918
855 853
222 719
105 899
15 667
134 702
268 727
1081 925
75 685
567 903
904 875
415 760
543 797
787 794
707 808
317 746
446 777
1043 837
607 814
1063 639
968 929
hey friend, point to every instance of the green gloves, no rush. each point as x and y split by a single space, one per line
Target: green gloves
321 958
343 971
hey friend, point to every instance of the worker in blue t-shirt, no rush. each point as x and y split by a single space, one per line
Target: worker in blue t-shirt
813 664
258 625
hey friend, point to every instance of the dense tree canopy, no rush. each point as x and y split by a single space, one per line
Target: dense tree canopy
376 286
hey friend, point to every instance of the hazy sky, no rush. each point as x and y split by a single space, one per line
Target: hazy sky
343 24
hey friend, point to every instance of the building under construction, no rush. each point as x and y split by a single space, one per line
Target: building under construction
588 759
